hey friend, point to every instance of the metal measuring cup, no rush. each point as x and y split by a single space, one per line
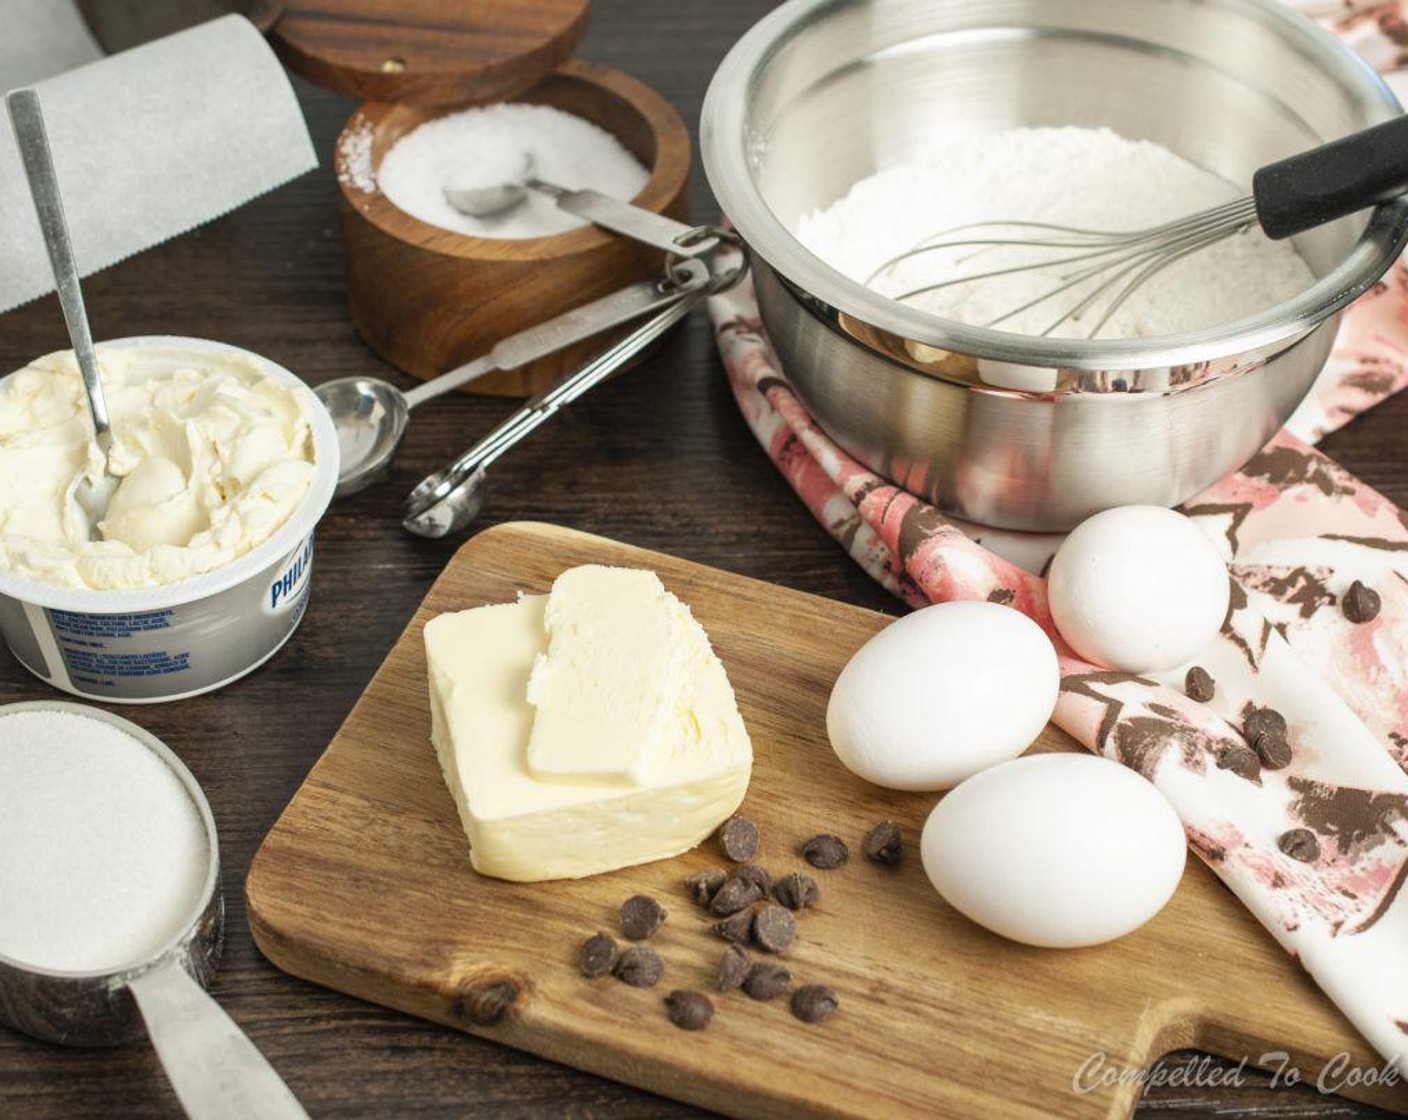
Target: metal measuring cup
214 1068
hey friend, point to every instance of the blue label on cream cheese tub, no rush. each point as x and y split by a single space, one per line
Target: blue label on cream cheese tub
97 648
165 653
289 590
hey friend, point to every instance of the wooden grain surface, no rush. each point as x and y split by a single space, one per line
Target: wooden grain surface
430 52
658 458
364 884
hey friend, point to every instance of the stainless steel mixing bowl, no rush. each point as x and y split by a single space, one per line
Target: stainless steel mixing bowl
998 428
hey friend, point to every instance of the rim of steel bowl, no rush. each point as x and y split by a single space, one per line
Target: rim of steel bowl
726 144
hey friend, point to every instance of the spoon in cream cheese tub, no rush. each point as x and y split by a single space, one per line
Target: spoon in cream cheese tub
92 494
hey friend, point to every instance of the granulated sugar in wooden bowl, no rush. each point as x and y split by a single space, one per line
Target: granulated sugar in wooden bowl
428 298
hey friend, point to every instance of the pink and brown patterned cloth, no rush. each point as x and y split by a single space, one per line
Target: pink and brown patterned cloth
1317 849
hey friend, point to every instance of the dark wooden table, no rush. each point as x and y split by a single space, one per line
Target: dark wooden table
659 458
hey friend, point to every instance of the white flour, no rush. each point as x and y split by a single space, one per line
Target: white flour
102 852
485 147
1089 178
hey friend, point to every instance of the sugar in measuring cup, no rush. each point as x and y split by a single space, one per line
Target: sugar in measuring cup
111 912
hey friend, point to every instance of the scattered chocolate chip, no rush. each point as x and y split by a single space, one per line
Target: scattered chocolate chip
814 1003
756 875
641 916
1301 844
736 927
736 894
640 967
703 885
1242 761
796 891
599 954
774 928
1360 603
1199 685
733 967
1263 721
883 844
826 852
766 980
1273 750
690 1011
738 837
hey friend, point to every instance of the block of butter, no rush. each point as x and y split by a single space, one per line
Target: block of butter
640 748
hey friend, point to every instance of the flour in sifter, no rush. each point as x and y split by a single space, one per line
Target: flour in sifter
1083 177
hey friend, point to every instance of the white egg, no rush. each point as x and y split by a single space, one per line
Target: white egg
1138 588
1056 850
941 694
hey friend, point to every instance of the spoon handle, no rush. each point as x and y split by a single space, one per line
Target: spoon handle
213 1066
451 498
552 335
28 121
635 222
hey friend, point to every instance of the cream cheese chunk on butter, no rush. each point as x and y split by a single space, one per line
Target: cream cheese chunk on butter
649 799
616 692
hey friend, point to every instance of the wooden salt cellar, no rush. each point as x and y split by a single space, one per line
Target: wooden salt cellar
428 299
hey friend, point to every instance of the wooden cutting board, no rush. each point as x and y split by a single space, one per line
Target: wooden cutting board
364 885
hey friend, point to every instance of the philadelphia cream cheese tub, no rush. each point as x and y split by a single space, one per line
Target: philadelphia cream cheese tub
173 640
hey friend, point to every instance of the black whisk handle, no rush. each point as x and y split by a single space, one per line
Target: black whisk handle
1338 178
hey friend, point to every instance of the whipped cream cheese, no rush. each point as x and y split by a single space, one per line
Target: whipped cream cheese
212 456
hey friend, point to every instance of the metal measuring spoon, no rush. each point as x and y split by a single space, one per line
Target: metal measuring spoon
625 218
93 495
495 200
216 1071
452 498
371 415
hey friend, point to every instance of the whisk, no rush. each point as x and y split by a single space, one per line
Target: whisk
1098 270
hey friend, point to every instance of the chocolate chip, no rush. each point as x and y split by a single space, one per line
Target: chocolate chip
1360 603
640 967
1300 844
774 928
703 885
1199 685
736 927
756 875
796 891
1273 750
814 1003
883 844
1242 761
826 852
641 916
766 980
1263 721
736 894
733 967
738 837
598 957
690 1011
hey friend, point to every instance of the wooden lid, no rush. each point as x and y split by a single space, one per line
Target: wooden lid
428 52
